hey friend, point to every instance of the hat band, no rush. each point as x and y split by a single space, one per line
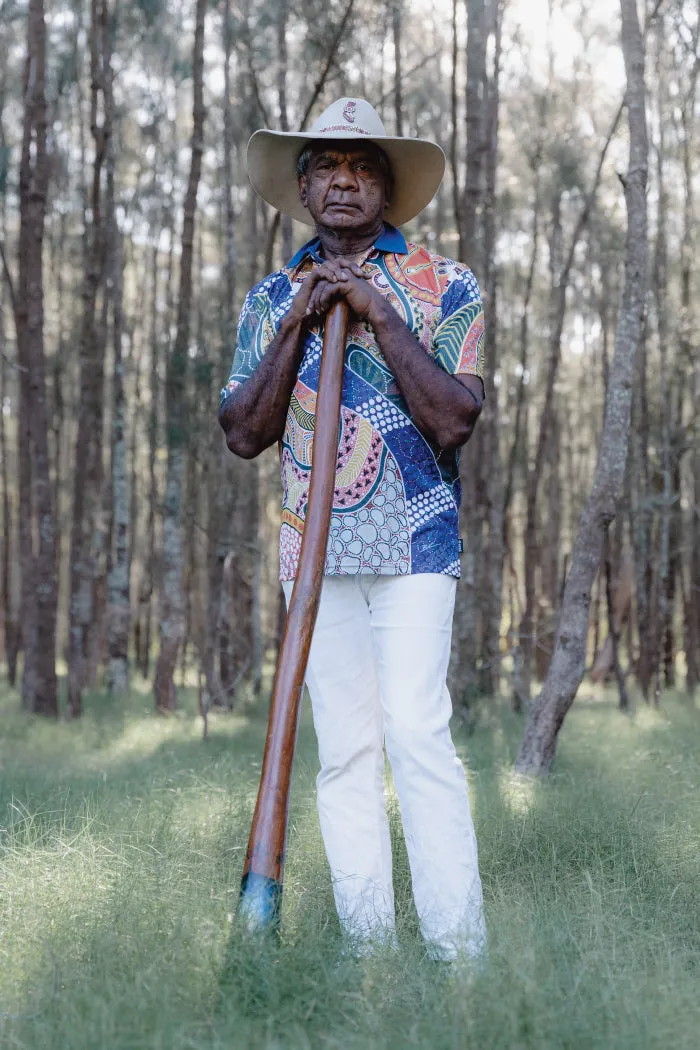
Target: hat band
341 127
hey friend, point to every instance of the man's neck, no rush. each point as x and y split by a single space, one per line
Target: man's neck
347 243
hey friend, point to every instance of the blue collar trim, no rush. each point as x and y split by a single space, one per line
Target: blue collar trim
389 240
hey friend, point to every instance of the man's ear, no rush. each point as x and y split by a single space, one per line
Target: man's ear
303 195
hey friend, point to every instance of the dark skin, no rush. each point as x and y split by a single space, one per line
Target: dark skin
347 194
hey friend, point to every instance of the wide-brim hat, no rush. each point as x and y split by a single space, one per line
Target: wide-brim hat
417 165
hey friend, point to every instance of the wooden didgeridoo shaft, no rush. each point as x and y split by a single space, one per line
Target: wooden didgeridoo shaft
261 886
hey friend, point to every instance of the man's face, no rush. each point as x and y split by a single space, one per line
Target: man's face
345 187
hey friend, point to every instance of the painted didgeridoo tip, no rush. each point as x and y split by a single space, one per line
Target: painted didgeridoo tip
260 903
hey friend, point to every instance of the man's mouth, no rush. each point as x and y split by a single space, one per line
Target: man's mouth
342 204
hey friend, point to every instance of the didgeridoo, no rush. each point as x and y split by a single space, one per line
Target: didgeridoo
263 874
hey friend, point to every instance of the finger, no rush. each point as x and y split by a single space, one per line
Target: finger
328 271
326 297
305 292
313 306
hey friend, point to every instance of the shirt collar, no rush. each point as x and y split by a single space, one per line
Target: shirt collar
389 240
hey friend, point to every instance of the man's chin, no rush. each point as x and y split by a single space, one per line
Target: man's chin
338 220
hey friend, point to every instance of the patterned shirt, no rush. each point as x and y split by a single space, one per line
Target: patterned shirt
396 498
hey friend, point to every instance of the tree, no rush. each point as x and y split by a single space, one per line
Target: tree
172 617
39 584
88 473
568 661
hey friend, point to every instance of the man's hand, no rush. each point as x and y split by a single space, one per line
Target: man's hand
342 278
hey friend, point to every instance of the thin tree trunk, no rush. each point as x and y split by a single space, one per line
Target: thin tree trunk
556 328
660 285
87 471
464 679
282 20
687 356
142 639
171 607
39 583
396 20
566 670
454 136
476 126
118 603
492 578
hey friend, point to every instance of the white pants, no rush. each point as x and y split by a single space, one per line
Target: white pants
376 674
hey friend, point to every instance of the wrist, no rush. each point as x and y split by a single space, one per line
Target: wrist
381 314
291 325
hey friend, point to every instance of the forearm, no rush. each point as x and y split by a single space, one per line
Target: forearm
253 417
442 408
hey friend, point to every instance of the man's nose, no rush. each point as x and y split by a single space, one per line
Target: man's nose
344 176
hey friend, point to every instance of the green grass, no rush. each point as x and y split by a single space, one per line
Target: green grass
121 844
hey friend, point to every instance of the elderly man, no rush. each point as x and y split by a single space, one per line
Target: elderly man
412 392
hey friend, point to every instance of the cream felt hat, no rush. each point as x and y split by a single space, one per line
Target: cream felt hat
417 165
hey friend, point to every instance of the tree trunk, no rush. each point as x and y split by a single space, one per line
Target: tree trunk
687 354
87 470
118 603
282 20
568 662
39 583
660 285
476 127
464 679
560 284
492 577
171 606
396 19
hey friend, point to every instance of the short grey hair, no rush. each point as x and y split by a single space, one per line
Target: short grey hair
304 162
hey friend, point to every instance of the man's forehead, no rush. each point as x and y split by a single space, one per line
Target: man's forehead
338 150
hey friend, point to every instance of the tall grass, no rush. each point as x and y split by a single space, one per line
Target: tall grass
121 845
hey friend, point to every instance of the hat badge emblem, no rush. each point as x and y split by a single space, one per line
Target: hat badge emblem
349 111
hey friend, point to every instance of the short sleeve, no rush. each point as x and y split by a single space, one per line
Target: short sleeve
256 330
458 342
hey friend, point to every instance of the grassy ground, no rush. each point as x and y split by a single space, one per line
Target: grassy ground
121 843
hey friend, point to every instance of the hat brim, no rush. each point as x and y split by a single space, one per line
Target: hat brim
417 166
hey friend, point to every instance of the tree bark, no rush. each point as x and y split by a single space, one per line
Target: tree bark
660 285
492 578
118 598
87 471
396 20
171 607
568 662
688 357
39 583
476 126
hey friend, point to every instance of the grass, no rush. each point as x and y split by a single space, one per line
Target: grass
121 844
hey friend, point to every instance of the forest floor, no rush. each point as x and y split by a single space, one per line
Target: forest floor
121 844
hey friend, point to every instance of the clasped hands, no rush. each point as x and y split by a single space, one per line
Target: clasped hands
335 279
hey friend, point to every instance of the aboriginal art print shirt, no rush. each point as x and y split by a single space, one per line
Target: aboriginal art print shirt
396 500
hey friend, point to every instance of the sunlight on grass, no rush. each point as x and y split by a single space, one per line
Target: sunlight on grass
518 792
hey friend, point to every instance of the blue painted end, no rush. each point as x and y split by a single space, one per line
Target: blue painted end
260 902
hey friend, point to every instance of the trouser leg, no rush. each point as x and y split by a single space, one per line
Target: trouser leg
344 690
411 619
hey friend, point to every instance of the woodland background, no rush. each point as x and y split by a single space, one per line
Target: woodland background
133 543
137 554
